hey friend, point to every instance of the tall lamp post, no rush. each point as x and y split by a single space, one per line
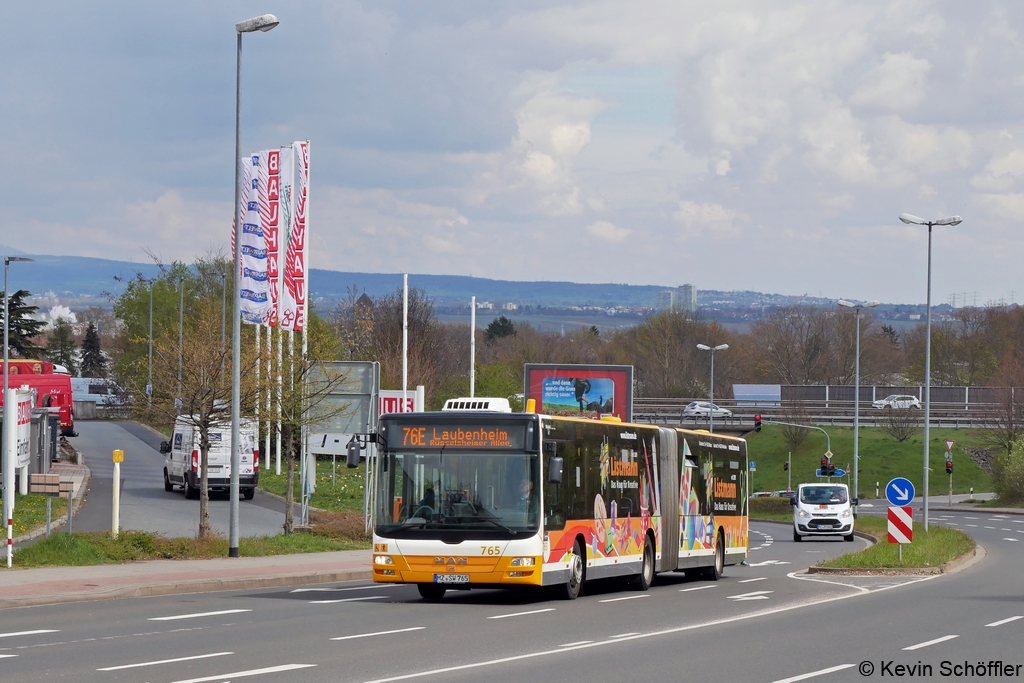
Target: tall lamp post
711 408
8 465
149 386
914 220
856 399
263 23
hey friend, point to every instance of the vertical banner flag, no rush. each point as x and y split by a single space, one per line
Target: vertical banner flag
296 275
254 292
269 192
24 433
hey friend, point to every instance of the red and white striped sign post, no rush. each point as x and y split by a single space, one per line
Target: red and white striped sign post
901 526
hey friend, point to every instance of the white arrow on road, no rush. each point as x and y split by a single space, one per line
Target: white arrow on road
767 562
756 595
901 495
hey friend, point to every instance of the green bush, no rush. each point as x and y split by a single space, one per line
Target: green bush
770 506
1008 474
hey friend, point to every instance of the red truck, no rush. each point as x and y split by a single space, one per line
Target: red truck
53 390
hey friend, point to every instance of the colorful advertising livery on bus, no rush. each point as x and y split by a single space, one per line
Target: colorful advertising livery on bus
488 499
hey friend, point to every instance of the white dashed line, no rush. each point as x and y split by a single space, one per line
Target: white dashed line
250 672
578 642
165 661
624 635
1010 539
380 633
28 633
1004 621
930 642
199 614
628 597
759 578
695 588
522 614
812 674
331 602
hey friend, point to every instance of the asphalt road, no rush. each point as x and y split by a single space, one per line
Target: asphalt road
145 506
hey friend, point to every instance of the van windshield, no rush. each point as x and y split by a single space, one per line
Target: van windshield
823 495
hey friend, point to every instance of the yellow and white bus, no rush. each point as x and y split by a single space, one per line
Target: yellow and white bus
481 499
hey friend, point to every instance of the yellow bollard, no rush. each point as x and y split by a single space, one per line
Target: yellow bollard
115 521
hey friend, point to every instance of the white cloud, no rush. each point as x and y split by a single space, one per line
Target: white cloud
702 218
897 83
607 232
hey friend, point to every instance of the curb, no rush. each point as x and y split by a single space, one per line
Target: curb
201 586
55 524
957 564
991 511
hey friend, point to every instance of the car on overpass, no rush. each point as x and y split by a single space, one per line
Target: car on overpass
704 409
897 401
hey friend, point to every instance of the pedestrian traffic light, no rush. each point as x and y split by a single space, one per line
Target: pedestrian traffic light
949 467
785 466
757 422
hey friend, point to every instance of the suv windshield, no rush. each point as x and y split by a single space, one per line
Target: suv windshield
823 495
461 495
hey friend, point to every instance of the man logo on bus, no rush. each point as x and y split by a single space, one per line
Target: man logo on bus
451 560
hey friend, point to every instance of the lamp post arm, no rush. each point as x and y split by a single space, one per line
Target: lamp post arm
793 424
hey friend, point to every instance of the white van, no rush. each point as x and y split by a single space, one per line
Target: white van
822 510
181 458
99 390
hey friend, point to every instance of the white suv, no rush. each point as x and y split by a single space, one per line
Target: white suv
703 409
897 401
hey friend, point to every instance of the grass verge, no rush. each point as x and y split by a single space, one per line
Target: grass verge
930 549
30 512
331 531
337 491
995 503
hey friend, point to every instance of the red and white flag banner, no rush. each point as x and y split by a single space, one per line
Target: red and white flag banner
901 524
296 270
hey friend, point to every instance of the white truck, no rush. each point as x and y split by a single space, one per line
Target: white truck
822 510
182 458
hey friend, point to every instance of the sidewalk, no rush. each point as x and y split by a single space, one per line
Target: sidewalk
52 585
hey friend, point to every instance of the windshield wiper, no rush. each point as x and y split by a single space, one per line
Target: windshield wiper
497 524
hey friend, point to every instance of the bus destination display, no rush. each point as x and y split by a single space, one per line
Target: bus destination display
448 435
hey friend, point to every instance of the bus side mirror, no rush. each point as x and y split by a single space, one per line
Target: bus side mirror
165 446
554 470
353 454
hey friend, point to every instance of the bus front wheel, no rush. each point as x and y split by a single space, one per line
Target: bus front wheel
646 577
571 588
431 591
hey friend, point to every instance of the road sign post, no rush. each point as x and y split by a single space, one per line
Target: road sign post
949 460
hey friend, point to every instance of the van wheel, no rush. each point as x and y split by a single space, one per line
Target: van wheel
431 592
249 493
646 577
797 537
571 588
714 572
167 483
848 539
191 492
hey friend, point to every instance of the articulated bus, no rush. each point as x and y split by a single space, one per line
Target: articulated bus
479 499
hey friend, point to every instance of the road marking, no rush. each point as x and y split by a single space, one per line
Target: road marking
380 633
996 517
695 588
975 526
767 563
199 614
653 634
1006 529
1004 621
930 642
579 642
990 527
966 517
250 672
759 578
756 595
620 635
1010 539
337 590
365 597
28 633
6 656
522 614
165 661
628 597
812 674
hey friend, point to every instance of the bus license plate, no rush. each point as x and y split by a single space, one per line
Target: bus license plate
451 578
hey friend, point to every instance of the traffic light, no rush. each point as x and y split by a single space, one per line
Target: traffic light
949 467
824 467
785 466
831 470
757 422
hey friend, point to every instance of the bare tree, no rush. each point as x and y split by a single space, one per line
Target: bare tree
795 413
899 423
1009 415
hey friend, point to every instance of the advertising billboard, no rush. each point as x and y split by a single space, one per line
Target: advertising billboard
590 391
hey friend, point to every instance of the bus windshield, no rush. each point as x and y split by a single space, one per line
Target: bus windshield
421 492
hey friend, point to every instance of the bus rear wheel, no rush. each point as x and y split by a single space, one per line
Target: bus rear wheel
646 577
431 591
714 572
571 588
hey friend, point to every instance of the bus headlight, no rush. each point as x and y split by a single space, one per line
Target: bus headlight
522 561
382 559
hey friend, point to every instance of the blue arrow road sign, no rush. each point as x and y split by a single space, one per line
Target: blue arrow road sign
839 473
899 492
753 465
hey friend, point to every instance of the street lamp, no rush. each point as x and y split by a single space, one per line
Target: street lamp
914 220
711 408
149 386
262 23
856 399
8 466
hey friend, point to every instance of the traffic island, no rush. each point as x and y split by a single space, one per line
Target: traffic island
939 550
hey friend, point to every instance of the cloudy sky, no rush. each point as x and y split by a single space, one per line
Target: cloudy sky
732 145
